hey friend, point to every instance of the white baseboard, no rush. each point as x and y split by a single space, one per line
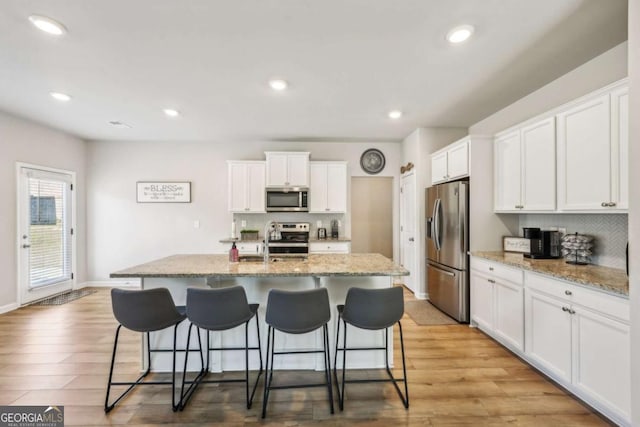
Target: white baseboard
131 283
421 295
9 307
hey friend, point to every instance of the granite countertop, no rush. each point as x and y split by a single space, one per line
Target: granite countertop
218 265
612 280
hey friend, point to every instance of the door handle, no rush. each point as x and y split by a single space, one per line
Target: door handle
436 227
25 246
448 273
411 239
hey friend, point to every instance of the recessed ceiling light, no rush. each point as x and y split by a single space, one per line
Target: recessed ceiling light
278 84
460 33
171 112
60 96
48 25
119 124
395 114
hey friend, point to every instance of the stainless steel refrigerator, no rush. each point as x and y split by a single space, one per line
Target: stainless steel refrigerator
447 248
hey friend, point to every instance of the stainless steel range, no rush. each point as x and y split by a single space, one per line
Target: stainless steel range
287 239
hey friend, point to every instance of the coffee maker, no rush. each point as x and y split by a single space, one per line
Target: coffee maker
543 244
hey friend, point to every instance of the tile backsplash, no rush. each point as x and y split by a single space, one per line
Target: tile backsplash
258 221
610 232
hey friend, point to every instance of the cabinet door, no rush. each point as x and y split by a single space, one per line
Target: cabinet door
439 167
620 148
329 247
317 187
509 313
237 188
298 170
507 178
277 169
458 161
602 365
481 301
255 192
548 334
584 153
538 142
336 187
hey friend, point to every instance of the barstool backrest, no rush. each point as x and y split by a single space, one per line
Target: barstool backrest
218 309
145 310
373 308
298 312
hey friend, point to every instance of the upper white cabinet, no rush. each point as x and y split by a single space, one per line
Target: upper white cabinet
525 178
246 186
573 160
328 187
452 162
287 169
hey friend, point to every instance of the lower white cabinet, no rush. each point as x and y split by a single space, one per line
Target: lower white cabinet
497 302
249 248
581 338
329 247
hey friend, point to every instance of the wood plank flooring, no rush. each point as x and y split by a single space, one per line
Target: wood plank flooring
457 376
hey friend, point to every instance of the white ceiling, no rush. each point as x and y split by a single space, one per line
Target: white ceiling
348 63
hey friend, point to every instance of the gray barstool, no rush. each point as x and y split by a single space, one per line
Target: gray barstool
144 311
220 310
297 312
372 309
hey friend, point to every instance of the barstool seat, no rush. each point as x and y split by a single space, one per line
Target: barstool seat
297 312
219 310
144 311
371 309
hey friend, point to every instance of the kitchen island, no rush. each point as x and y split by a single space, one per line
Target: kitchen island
336 272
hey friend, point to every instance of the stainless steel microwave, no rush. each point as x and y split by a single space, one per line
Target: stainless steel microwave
287 199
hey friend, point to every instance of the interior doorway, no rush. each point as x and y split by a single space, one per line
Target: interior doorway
45 232
372 215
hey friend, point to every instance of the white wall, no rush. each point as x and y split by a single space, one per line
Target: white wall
124 233
634 205
28 142
417 149
600 71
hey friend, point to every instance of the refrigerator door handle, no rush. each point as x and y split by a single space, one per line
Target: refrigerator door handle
436 224
448 273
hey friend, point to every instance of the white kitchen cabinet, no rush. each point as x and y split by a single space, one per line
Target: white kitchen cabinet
581 338
249 248
452 162
525 178
328 187
497 302
593 154
329 247
287 169
246 189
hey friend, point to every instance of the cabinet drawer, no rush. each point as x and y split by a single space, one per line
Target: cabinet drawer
609 305
249 248
497 269
329 247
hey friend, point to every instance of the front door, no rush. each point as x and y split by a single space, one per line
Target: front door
45 237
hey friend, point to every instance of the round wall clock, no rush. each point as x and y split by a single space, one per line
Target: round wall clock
372 161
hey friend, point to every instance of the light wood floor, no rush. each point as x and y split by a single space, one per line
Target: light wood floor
457 376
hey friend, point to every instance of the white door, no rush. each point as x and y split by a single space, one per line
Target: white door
482 301
337 187
458 161
439 168
539 166
45 232
408 245
317 187
298 170
508 173
509 313
255 189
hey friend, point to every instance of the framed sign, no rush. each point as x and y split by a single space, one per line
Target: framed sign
163 192
516 244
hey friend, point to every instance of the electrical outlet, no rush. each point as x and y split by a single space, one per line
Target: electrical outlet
319 223
196 224
243 223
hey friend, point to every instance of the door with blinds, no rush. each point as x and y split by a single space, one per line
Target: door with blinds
45 233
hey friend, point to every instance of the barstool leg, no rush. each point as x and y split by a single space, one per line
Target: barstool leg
335 359
344 364
174 406
268 372
404 369
327 365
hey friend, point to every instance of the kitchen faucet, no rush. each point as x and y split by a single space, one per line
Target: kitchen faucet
267 235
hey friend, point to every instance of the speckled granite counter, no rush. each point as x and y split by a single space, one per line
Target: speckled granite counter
317 265
608 279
